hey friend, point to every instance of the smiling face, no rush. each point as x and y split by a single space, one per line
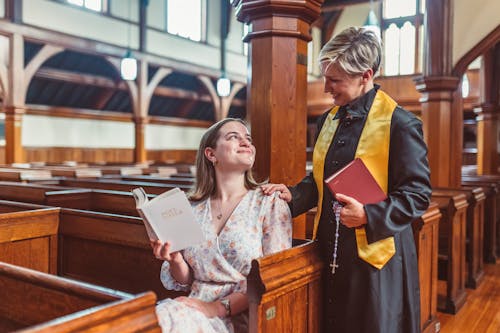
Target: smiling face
234 149
343 87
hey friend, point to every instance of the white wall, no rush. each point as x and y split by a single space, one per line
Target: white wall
42 131
2 8
172 137
472 21
353 16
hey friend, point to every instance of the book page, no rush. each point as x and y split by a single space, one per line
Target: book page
172 219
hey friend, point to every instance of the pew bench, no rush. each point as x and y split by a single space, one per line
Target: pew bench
117 185
491 247
39 302
452 243
28 236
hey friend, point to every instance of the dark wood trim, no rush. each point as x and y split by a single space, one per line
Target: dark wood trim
179 122
489 41
55 111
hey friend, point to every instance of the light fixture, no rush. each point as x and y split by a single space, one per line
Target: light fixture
128 64
223 86
128 67
371 22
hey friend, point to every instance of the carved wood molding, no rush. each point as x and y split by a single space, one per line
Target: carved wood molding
487 42
179 122
207 82
53 111
36 62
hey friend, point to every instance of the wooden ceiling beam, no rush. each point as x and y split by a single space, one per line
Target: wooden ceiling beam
107 83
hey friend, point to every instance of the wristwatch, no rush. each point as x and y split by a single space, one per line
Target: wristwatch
227 305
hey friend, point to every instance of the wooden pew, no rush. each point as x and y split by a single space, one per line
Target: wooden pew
15 174
28 236
492 214
38 302
284 291
49 195
452 233
108 250
117 185
426 234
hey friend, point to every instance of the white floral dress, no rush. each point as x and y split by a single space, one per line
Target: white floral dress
259 225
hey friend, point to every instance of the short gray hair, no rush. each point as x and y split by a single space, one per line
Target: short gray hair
354 50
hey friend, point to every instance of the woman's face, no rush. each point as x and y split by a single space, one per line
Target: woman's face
343 87
234 149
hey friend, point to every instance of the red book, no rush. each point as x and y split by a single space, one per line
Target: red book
356 181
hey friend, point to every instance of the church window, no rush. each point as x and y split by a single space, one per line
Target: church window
402 34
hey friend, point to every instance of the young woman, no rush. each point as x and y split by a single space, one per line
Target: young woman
239 222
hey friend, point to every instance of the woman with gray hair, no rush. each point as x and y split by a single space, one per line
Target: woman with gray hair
372 281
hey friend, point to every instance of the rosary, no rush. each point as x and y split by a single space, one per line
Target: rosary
336 210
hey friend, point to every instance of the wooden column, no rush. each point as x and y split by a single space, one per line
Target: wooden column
442 128
277 83
277 87
13 143
487 113
140 153
14 100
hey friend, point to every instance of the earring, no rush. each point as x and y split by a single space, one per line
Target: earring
214 162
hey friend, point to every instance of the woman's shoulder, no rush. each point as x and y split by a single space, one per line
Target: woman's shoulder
273 199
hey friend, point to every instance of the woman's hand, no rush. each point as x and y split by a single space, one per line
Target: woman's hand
162 252
352 214
209 309
285 194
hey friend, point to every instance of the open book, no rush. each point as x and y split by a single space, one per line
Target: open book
356 181
169 217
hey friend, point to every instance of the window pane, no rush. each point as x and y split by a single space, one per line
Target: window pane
407 52
391 50
76 2
94 5
422 6
399 8
184 18
465 86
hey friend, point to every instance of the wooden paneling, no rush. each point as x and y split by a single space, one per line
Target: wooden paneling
284 291
45 303
96 155
28 237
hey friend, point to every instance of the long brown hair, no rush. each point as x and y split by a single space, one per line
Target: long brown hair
205 171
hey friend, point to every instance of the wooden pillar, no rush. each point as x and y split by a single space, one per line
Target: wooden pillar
442 128
487 113
14 100
277 87
13 144
277 84
140 153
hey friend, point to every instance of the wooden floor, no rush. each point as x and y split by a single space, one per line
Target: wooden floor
481 313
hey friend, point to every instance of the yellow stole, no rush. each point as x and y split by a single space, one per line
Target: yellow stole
373 149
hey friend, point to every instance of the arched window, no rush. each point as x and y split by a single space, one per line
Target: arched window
402 26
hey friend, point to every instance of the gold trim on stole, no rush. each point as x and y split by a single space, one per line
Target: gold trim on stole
373 149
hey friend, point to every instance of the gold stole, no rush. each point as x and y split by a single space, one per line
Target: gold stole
373 149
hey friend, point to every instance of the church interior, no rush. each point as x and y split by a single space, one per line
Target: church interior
98 97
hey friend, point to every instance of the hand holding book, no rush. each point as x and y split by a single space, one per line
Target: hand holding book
169 218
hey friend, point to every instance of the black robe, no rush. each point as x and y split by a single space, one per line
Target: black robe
359 298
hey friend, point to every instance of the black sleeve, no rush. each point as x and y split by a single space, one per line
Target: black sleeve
409 188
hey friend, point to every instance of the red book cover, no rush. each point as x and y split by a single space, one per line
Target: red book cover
356 181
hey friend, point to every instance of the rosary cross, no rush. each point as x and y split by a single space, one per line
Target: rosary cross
333 266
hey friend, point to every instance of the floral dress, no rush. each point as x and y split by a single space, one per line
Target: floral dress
259 225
